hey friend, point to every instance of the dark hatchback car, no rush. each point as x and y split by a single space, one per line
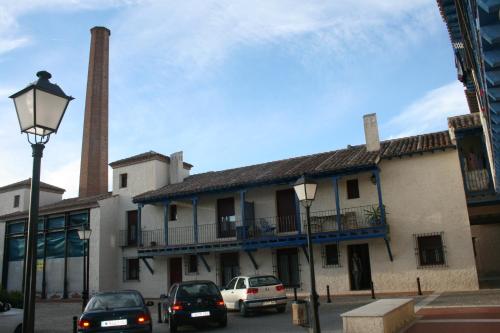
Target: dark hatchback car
194 303
118 311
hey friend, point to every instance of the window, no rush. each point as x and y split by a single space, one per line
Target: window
55 222
226 218
430 250
131 269
352 189
173 213
331 255
192 265
241 284
123 180
16 200
231 284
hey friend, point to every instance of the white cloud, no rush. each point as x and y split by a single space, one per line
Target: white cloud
430 112
65 176
194 35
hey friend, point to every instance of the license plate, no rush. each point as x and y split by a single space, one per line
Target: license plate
269 303
112 323
200 314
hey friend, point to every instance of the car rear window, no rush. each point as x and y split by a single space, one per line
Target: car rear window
260 281
197 290
114 301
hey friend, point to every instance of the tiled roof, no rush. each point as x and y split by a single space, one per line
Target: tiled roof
354 157
465 121
147 156
472 101
27 184
65 205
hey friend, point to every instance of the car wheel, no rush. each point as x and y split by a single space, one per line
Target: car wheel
223 322
281 308
172 325
19 328
243 309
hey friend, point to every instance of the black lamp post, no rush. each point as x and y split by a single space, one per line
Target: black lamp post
40 108
306 192
84 235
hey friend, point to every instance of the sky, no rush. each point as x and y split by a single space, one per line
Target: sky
228 82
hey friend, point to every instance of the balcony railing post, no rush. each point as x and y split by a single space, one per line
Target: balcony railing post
376 173
166 205
195 219
338 217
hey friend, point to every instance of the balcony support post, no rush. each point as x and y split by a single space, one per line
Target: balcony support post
243 213
166 206
195 219
338 217
148 266
298 224
376 173
252 259
139 223
204 261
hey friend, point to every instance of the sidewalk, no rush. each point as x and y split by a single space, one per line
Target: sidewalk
466 312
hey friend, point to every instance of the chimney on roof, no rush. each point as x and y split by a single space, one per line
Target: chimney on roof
371 132
94 163
176 168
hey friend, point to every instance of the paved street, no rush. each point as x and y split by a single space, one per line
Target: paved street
55 317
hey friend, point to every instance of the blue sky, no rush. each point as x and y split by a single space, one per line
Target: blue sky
229 82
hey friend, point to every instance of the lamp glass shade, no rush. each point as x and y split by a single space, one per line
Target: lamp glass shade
84 234
40 107
305 190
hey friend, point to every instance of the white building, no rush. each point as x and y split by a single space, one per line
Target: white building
160 224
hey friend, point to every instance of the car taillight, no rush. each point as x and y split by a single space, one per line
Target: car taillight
220 303
83 323
252 290
177 306
280 287
143 319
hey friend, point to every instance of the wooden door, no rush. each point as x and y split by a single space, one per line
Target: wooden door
288 267
175 270
132 228
226 218
285 204
360 275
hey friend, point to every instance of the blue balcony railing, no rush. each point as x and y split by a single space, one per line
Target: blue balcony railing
265 227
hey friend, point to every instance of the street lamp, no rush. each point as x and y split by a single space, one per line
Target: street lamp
84 235
306 192
40 108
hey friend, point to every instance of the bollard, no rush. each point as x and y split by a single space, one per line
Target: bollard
295 294
159 313
328 299
419 288
75 318
373 290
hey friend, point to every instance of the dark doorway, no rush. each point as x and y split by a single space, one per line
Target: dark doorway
175 270
226 218
285 204
288 267
230 267
132 228
360 275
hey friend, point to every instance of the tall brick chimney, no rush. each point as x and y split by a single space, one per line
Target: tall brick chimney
94 163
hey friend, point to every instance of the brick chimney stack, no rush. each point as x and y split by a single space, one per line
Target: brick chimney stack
94 163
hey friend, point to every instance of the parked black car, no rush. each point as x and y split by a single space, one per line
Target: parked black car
117 311
194 303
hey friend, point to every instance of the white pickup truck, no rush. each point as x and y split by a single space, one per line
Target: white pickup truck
246 293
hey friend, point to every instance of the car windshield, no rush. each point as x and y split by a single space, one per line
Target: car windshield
197 290
260 281
114 301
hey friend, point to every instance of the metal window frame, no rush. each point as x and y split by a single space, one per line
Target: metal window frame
324 259
417 250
